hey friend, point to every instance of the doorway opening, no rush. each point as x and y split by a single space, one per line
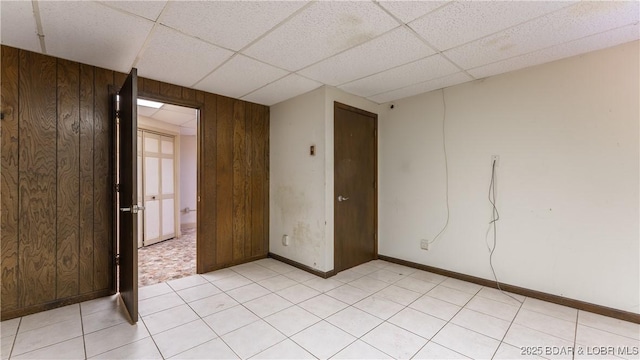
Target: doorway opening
167 189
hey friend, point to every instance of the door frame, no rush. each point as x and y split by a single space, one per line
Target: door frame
336 106
199 105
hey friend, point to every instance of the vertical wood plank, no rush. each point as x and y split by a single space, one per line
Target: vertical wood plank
224 181
37 179
151 86
68 169
102 211
257 186
239 179
85 266
206 244
265 184
171 91
140 84
188 94
200 96
250 114
9 76
119 78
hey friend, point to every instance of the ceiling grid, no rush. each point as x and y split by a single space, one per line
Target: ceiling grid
270 51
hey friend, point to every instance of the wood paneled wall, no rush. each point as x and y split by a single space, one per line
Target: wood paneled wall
57 238
233 212
57 218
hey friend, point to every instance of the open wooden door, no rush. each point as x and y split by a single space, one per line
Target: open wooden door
355 176
128 195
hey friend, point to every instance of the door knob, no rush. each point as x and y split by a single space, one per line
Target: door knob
342 198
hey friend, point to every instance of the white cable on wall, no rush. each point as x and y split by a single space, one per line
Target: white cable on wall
495 216
446 165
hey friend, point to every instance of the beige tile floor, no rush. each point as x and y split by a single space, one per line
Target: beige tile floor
270 310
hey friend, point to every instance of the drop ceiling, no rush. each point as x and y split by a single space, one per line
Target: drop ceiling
183 118
270 51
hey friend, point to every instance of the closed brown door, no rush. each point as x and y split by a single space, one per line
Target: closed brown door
128 194
355 177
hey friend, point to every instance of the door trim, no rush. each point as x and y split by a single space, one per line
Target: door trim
336 106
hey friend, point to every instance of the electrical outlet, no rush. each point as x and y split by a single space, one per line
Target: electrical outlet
496 159
424 244
285 240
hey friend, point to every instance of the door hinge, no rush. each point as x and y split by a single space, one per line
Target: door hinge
117 187
375 133
375 237
375 184
116 260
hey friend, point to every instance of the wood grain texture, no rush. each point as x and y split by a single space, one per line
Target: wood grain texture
251 112
355 157
257 185
188 94
151 86
171 91
9 75
46 154
102 188
37 179
206 221
239 180
68 170
118 79
86 257
265 116
224 180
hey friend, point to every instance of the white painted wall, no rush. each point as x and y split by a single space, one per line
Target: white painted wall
567 135
297 180
301 185
188 179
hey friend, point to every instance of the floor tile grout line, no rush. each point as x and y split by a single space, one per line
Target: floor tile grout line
41 327
152 338
447 323
13 343
513 321
84 343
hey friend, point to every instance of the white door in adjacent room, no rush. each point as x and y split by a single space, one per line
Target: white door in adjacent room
158 187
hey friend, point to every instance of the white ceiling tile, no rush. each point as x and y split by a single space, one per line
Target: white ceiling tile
181 109
146 111
577 21
179 59
190 124
392 49
321 30
18 26
239 76
410 10
147 9
581 46
172 117
230 24
461 22
446 81
283 89
91 33
418 71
